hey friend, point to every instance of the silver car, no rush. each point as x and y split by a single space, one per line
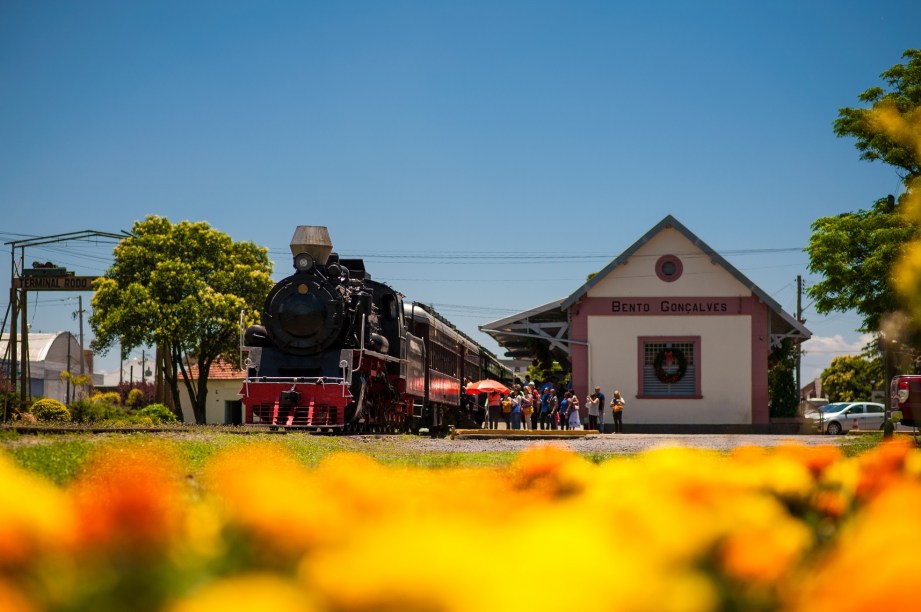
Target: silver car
841 417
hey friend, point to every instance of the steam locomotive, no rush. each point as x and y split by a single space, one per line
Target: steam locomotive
338 351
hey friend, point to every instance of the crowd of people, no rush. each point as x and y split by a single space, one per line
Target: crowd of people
549 406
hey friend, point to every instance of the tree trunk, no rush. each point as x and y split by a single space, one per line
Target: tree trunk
168 381
200 407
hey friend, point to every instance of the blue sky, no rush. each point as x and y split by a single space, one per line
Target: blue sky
422 133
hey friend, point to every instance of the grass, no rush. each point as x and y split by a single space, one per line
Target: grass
60 456
58 460
858 444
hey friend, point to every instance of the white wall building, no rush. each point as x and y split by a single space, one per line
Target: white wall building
678 330
223 405
50 354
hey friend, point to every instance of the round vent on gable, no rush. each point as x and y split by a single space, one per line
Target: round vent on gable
669 268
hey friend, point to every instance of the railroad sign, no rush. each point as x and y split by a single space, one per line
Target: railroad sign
54 283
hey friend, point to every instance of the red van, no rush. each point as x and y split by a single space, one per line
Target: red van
905 395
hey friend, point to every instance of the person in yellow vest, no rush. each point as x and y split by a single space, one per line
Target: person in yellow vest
527 408
617 406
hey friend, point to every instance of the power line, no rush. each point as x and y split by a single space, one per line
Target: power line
519 256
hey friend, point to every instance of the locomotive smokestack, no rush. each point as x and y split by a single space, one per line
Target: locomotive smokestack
314 240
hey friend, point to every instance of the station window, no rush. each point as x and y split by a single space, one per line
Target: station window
670 367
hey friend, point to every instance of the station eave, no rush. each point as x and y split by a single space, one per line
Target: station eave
547 323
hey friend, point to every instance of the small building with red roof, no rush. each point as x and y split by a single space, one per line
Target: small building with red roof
223 405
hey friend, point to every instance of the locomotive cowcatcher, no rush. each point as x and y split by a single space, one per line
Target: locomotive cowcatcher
337 351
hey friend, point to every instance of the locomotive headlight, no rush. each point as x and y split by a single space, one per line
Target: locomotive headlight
303 262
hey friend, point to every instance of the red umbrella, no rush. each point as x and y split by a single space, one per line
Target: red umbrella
486 386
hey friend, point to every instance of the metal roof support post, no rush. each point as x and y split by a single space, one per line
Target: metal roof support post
25 389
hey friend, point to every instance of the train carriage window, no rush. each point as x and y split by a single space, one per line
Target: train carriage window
444 360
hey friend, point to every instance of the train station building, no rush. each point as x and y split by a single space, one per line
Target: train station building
675 327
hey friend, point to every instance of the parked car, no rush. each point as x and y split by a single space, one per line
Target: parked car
841 417
905 393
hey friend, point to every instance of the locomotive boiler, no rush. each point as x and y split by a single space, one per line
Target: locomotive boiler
339 351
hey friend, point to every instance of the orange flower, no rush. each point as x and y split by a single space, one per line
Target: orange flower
871 565
815 458
130 496
550 470
13 600
831 503
882 466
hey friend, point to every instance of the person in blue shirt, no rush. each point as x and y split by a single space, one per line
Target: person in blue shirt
516 409
602 407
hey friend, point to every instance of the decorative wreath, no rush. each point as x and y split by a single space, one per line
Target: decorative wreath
670 354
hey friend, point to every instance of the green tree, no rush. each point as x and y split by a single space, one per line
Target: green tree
851 378
903 95
783 396
182 288
856 253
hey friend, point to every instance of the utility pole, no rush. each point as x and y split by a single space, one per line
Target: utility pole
80 315
25 369
799 317
67 400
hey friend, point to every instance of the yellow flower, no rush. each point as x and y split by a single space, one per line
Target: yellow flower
263 592
35 516
262 490
764 543
535 560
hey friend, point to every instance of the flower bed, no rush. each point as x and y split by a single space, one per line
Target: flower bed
793 528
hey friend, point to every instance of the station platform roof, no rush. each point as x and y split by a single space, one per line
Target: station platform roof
548 323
